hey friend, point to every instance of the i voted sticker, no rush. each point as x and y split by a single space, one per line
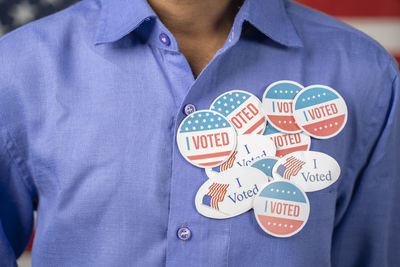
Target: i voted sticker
277 104
287 143
242 109
320 111
266 165
206 139
281 209
250 147
228 194
310 170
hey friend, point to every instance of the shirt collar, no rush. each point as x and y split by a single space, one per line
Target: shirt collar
120 17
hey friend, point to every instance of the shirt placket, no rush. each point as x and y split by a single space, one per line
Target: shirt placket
192 240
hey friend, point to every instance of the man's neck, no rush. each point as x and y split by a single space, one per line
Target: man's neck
200 26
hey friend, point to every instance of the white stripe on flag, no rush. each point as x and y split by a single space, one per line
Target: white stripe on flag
386 30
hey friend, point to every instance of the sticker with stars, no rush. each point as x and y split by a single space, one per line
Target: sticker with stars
278 105
250 148
266 165
206 139
281 209
320 111
243 110
287 143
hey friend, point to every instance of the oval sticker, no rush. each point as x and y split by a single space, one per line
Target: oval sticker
320 111
250 147
206 139
281 209
278 105
243 110
230 193
310 170
286 143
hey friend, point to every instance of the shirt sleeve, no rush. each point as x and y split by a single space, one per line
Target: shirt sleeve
368 233
16 203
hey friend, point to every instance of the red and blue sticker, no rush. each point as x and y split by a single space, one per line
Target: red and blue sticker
320 111
278 105
206 139
286 143
242 109
281 209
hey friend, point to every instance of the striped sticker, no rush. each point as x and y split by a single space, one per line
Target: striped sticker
320 111
206 139
278 105
242 109
281 209
287 143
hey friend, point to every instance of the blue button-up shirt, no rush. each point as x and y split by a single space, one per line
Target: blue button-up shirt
90 102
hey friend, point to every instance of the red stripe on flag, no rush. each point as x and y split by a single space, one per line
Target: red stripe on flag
360 8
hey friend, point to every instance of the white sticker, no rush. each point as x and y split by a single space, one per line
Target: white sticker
250 147
320 111
281 209
310 170
287 143
206 139
277 104
228 194
243 110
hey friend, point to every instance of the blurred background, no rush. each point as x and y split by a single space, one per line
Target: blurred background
378 18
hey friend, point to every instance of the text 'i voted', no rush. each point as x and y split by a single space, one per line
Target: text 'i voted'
310 170
278 105
206 139
230 193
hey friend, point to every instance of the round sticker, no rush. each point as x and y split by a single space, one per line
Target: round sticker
278 105
310 170
320 111
250 147
206 139
228 194
266 165
242 109
281 209
287 143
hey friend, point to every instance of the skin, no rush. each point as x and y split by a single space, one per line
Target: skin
200 27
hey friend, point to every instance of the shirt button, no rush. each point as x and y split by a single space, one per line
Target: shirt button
189 109
165 39
184 233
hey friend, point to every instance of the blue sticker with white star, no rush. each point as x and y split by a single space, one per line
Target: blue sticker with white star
206 139
242 109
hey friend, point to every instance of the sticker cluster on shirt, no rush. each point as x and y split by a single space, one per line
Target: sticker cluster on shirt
256 154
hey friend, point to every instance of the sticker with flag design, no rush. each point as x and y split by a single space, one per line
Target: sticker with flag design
228 194
320 111
310 170
250 148
243 110
277 104
287 143
206 139
281 209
